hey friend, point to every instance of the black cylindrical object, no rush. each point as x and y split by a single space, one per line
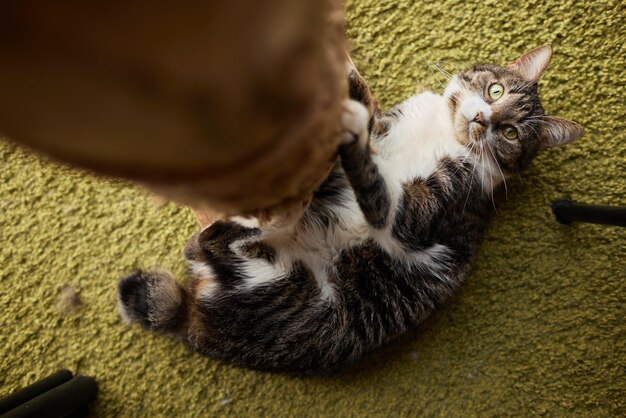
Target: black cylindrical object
567 212
82 412
30 392
61 401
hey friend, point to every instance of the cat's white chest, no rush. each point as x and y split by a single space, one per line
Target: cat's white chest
419 139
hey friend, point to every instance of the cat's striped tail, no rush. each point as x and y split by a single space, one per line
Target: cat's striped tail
153 300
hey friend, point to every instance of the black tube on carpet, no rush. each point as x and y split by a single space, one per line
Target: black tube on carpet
567 212
60 401
24 395
82 412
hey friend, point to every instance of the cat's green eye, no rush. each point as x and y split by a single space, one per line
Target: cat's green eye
495 91
509 132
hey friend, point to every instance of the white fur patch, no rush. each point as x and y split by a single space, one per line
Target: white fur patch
354 121
207 292
309 250
258 272
472 106
208 289
486 167
386 241
422 136
433 257
201 270
250 222
434 261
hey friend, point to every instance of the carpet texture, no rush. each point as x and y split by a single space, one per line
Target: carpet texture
539 329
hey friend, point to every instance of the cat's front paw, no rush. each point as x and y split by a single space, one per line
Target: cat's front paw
354 123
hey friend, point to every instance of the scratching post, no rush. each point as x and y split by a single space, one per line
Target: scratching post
228 107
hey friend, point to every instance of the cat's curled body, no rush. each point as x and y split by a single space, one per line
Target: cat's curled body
390 234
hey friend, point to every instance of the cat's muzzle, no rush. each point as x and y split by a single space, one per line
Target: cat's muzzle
476 131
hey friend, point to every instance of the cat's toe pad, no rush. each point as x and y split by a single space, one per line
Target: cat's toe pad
354 121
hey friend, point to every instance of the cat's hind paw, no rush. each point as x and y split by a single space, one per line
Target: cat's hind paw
151 299
354 123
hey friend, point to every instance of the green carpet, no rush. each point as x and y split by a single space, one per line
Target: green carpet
539 329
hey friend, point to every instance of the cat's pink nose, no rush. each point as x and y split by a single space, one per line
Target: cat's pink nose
479 118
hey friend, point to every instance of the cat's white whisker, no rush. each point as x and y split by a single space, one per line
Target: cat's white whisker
469 190
493 155
446 74
437 78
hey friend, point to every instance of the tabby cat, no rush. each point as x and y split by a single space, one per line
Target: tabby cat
390 234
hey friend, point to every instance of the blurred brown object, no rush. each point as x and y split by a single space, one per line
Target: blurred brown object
205 218
228 107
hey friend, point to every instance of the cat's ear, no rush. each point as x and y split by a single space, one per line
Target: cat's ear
558 131
532 64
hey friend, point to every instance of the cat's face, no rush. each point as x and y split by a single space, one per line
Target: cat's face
497 114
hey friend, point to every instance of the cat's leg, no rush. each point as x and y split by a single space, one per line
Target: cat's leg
156 301
223 257
370 188
449 191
